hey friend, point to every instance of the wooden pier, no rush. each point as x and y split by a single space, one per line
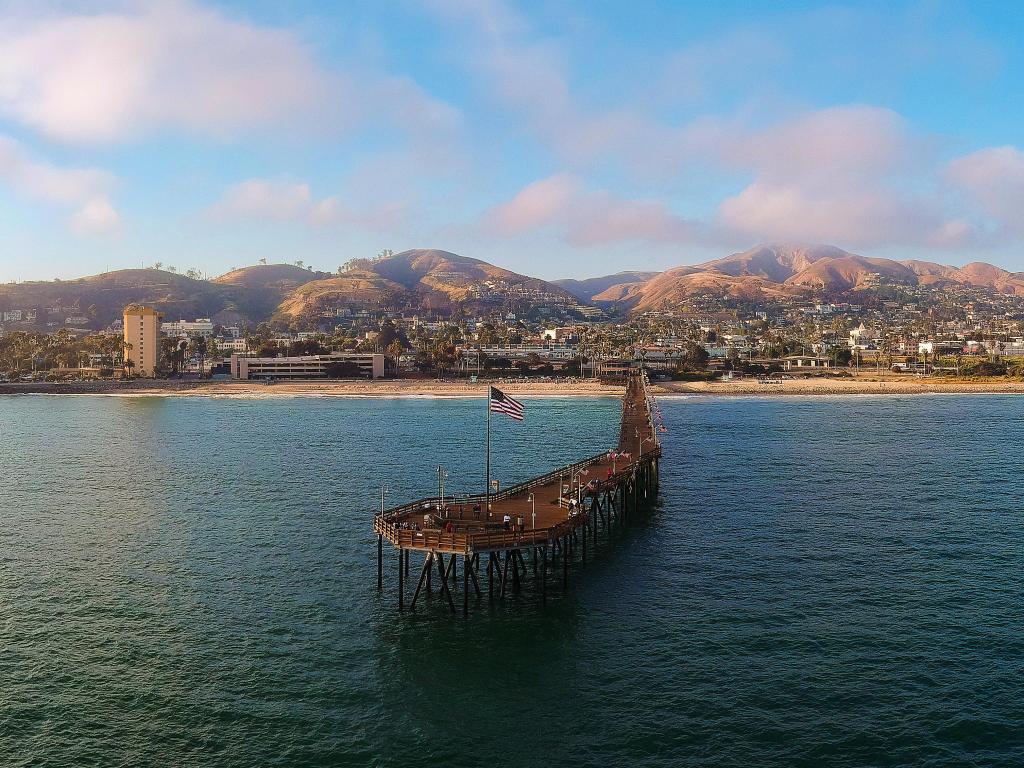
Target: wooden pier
549 518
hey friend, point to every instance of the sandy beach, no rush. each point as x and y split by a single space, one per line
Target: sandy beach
381 388
820 386
863 385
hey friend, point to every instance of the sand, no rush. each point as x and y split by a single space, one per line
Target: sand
863 385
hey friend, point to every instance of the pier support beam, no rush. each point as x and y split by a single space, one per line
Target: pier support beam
380 562
465 585
565 563
428 566
544 576
401 579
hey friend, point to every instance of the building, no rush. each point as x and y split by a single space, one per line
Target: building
370 365
188 328
805 361
142 339
562 333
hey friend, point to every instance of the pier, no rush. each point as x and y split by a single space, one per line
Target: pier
547 520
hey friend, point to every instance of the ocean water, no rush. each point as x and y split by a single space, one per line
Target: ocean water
823 582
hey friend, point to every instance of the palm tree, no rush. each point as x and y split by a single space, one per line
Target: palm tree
201 347
126 363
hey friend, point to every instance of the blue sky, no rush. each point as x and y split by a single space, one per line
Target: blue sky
554 138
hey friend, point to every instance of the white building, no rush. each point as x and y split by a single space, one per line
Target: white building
188 328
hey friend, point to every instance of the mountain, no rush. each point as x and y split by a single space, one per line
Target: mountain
776 263
419 279
265 286
850 272
100 299
676 285
588 289
769 272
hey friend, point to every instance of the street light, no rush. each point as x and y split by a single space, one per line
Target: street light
533 521
383 490
441 475
577 477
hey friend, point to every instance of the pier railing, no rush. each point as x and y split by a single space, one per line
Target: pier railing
466 541
437 502
469 540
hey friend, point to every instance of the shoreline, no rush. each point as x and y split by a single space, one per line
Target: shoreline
432 388
830 387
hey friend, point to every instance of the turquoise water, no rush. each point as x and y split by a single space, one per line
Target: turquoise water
189 581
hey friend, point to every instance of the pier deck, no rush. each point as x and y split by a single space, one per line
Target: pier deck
549 515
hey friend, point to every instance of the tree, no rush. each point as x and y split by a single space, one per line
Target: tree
300 263
263 261
694 357
201 347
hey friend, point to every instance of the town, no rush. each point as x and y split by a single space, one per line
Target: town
883 327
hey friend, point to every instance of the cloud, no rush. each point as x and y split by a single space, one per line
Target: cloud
993 179
293 201
108 76
86 189
586 218
96 217
839 175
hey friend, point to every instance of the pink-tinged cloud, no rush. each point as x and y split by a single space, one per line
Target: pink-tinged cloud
281 200
993 179
562 205
838 175
87 77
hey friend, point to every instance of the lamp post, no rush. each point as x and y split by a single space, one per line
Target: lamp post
576 478
533 516
441 475
383 491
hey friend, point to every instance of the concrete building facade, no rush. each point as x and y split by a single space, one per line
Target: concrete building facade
142 337
370 365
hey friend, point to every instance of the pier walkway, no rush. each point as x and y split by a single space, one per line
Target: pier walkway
549 517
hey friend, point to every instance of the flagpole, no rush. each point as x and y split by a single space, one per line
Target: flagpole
487 508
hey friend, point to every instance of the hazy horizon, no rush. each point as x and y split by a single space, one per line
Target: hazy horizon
560 142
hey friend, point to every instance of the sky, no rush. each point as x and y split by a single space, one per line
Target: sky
566 138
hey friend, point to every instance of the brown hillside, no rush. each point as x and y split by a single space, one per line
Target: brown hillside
676 285
425 278
776 263
850 272
590 288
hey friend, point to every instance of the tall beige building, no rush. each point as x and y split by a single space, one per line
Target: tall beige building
142 339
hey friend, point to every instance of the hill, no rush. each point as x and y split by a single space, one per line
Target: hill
265 286
419 279
100 299
770 272
588 289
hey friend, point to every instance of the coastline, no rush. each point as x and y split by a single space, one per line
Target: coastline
397 388
864 385
386 388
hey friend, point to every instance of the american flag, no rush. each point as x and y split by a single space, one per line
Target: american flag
502 403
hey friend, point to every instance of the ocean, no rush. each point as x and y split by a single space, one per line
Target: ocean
823 581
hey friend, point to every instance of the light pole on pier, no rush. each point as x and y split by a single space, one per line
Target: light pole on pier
441 475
